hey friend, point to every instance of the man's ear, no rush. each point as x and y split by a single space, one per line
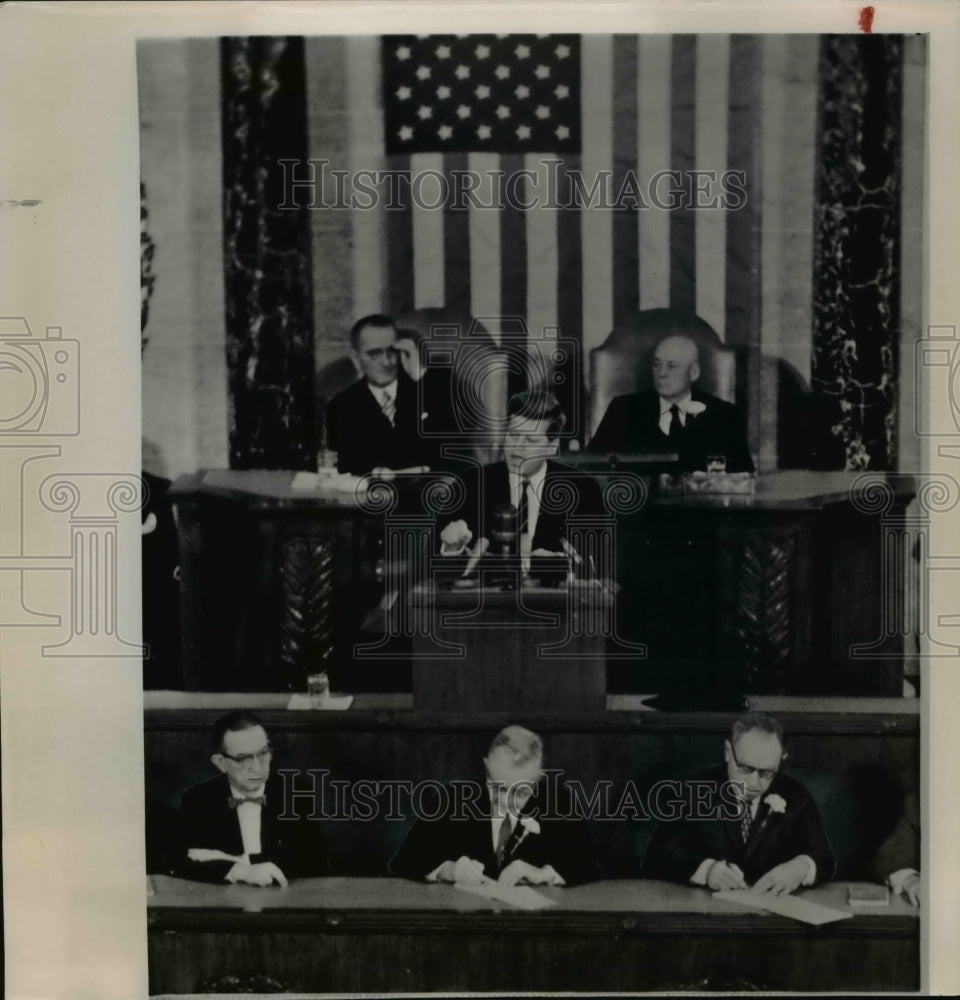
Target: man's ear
727 751
217 761
694 371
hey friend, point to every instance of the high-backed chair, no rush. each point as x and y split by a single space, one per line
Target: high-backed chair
622 363
454 338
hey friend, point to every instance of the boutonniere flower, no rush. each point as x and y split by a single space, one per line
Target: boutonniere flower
777 803
529 824
424 415
694 408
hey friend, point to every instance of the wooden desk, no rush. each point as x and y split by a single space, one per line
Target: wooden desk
393 935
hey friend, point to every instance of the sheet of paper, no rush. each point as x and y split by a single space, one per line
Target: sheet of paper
521 896
795 907
335 703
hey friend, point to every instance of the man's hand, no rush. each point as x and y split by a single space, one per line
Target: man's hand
454 538
409 357
783 879
725 876
263 873
521 871
910 888
464 870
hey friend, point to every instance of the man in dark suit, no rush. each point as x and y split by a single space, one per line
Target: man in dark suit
745 824
897 861
399 414
676 418
544 493
511 829
232 828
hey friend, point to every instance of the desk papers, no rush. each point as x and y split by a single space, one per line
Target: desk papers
794 907
521 896
335 703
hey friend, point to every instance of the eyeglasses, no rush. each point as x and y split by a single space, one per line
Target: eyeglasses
246 759
745 770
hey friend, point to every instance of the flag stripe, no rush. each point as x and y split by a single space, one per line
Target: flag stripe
597 156
400 246
456 243
484 232
542 268
713 58
653 157
513 274
331 230
365 149
683 275
626 265
570 391
427 195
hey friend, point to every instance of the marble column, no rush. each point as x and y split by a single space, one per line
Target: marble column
856 294
267 261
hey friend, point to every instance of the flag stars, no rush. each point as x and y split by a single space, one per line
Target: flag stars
405 133
561 91
403 52
443 52
502 72
424 112
482 51
562 51
482 92
463 111
562 132
502 111
542 72
403 93
483 132
542 111
523 131
445 132
522 91
443 92
522 51
462 72
423 72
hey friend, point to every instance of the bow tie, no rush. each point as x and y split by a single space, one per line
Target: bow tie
257 800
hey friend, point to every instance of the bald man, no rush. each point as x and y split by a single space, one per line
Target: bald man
676 417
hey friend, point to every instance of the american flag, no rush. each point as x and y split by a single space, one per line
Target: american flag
481 93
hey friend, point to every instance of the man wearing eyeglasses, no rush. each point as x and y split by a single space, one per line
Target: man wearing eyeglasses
232 827
744 823
392 416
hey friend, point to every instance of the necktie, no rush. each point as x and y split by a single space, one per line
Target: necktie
676 428
257 800
503 838
746 821
388 406
523 511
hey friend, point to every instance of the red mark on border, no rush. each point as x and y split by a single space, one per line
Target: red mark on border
866 19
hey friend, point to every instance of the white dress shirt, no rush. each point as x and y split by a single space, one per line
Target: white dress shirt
534 492
380 391
665 414
249 815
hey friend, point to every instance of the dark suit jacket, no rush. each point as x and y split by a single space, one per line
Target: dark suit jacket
677 848
364 439
488 487
161 591
631 425
205 819
563 840
901 849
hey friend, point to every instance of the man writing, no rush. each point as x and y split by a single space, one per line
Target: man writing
543 493
748 825
393 417
505 834
677 417
232 827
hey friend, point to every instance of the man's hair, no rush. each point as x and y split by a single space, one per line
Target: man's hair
535 404
523 745
756 721
232 722
374 319
680 335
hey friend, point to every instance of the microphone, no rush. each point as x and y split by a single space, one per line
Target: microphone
503 523
479 551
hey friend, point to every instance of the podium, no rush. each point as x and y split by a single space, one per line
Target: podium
535 650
